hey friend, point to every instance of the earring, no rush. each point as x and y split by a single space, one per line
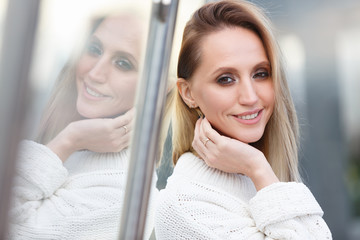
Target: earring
199 112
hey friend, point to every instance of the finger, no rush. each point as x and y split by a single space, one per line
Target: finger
124 130
209 132
197 131
126 119
196 139
203 142
125 142
204 133
197 143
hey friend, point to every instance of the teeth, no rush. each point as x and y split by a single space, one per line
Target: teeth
248 117
93 93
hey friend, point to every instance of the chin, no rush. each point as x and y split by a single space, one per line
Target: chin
87 113
250 137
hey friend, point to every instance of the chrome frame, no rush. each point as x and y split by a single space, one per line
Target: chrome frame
16 55
151 101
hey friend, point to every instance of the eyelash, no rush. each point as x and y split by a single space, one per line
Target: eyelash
261 74
124 64
220 80
121 63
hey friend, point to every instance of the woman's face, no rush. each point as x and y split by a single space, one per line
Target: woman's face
107 71
233 85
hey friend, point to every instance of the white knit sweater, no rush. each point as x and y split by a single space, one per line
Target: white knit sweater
200 202
80 199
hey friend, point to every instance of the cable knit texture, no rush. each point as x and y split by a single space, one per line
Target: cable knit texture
200 202
80 199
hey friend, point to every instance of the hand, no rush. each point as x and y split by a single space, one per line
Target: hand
98 135
231 155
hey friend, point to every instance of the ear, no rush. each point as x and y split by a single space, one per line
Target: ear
185 92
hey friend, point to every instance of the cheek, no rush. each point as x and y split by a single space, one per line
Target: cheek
267 96
124 85
214 101
84 65
270 95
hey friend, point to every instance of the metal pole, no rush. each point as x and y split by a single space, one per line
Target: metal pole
17 47
151 99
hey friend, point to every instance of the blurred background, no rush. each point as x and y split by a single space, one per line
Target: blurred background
321 44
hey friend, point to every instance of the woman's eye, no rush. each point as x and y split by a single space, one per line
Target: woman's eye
94 50
124 64
225 80
262 75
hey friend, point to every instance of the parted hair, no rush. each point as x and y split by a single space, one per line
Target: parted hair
279 142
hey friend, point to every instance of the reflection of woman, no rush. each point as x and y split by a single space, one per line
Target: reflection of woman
71 186
229 164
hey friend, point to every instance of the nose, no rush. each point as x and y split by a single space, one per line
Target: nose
99 70
247 92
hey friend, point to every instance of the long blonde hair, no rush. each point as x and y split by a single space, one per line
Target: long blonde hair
280 140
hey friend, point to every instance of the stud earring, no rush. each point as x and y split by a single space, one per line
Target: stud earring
200 113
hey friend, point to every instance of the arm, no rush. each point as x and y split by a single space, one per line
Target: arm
39 174
41 191
288 211
97 135
233 156
48 204
194 210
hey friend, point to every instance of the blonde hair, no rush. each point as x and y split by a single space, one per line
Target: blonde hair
279 142
61 108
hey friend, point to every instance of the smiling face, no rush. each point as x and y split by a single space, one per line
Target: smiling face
232 85
107 71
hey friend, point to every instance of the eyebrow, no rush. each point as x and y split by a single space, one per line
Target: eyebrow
263 64
232 69
95 39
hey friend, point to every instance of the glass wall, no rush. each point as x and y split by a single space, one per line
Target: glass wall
81 51
320 42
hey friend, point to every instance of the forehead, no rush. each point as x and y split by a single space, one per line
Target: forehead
232 41
125 25
231 47
120 30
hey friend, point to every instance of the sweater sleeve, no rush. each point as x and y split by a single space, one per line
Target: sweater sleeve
288 211
50 202
192 210
39 173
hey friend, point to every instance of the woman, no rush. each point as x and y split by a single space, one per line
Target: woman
71 185
236 173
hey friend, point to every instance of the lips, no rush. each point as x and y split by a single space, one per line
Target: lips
93 93
250 117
